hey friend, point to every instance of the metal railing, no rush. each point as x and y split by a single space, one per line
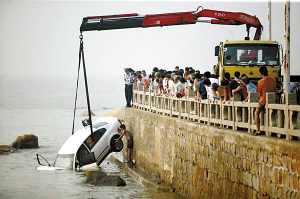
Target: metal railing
281 120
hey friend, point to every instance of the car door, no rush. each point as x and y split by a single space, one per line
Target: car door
99 147
84 156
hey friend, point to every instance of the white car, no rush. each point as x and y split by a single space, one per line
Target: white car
80 150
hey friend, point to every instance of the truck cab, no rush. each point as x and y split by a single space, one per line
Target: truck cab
247 57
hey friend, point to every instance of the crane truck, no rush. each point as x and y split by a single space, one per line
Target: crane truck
245 56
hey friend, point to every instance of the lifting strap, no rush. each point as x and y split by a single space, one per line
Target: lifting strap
81 56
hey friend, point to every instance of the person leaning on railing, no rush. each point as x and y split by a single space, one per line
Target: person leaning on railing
145 79
251 88
229 94
201 87
265 85
156 84
180 87
172 84
166 83
196 78
241 89
223 90
139 82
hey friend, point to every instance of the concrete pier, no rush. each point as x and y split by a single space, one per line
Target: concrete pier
206 149
202 161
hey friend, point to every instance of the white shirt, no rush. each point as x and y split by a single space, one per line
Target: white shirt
210 93
251 88
179 87
171 85
128 79
213 80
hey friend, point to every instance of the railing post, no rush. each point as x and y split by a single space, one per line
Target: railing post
290 99
234 109
208 112
253 102
271 98
249 113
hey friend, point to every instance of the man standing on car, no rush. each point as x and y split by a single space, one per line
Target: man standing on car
128 78
129 141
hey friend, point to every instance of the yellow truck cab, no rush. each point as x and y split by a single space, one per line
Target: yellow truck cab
247 57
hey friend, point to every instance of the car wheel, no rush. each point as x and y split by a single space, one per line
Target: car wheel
116 145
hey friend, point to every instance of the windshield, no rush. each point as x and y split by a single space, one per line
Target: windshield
251 54
64 161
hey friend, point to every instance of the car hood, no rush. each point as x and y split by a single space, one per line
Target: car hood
75 141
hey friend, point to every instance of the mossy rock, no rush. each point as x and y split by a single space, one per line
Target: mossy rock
99 178
5 149
26 142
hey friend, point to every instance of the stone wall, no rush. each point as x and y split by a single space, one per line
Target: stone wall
203 161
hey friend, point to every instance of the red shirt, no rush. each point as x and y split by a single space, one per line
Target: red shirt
243 91
265 85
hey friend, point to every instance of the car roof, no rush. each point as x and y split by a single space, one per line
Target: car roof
75 141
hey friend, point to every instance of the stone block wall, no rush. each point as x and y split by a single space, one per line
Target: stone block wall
203 161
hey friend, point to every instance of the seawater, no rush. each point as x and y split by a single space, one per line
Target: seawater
44 107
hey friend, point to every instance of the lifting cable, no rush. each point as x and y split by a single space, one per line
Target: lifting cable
81 56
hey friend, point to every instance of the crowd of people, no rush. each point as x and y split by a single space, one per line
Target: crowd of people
205 86
181 82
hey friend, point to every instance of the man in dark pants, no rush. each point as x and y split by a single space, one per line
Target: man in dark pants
128 78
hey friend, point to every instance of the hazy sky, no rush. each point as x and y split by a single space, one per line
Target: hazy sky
40 38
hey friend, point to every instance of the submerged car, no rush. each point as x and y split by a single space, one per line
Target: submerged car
81 149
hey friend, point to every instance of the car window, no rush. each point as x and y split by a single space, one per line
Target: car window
99 124
97 135
64 161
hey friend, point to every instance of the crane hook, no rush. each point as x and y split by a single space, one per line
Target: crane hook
198 8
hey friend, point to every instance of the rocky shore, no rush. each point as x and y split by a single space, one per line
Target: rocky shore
28 141
6 149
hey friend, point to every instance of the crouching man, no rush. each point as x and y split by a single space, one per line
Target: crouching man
129 141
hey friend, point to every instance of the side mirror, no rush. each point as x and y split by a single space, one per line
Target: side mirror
43 159
217 50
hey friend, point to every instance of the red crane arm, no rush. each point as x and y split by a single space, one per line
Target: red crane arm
134 20
233 18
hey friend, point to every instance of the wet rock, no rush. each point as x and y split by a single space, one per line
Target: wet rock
86 113
118 113
5 149
99 178
26 142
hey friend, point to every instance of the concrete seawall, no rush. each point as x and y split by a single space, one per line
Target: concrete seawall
206 161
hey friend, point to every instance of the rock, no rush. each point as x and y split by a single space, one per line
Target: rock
86 113
5 149
118 113
26 142
99 178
